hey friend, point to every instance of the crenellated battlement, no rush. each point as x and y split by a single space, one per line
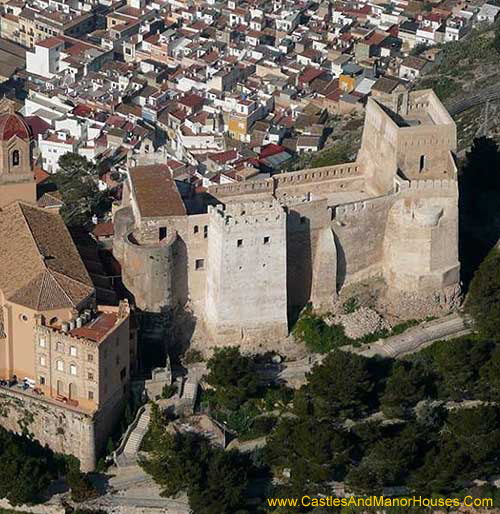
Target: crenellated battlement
283 180
429 184
352 208
247 213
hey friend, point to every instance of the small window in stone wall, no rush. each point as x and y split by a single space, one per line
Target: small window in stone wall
162 233
205 231
60 365
90 357
15 158
90 395
196 229
239 243
266 240
59 346
41 380
72 369
199 263
72 351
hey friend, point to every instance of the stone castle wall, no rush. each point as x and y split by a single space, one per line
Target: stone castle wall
63 429
405 231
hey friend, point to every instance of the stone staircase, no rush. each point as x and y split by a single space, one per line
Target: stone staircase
126 454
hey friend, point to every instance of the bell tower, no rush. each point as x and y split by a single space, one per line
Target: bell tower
17 179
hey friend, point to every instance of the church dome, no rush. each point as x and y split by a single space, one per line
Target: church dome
13 125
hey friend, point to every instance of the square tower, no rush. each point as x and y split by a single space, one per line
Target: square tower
246 298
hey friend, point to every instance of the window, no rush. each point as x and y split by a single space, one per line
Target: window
422 163
90 357
15 158
196 229
72 351
42 343
239 243
123 373
266 240
60 365
42 360
41 380
90 376
90 395
59 346
23 317
199 263
72 369
205 231
163 233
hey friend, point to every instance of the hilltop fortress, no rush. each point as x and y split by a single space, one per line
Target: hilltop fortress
244 254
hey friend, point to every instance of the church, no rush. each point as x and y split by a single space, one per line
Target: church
64 359
17 179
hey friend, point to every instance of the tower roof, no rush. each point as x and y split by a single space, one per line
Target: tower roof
13 125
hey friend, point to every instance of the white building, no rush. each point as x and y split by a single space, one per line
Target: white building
488 13
45 58
53 145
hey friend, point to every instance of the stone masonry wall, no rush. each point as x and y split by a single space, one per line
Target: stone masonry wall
62 429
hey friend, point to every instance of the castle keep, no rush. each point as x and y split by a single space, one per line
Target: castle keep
242 255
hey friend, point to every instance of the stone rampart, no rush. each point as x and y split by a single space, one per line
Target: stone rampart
62 428
281 182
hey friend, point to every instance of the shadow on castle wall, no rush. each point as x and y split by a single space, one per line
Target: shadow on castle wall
479 205
299 264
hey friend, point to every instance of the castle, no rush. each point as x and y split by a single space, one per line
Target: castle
241 255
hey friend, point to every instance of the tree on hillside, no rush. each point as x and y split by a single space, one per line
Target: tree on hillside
458 370
215 480
490 377
315 453
76 180
389 461
233 376
468 449
483 301
26 469
342 386
406 386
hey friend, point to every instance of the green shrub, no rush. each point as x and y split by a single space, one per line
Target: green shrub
318 336
168 391
260 427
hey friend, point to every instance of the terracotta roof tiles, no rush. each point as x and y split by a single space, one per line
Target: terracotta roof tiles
51 274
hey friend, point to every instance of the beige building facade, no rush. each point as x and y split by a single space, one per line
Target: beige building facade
60 352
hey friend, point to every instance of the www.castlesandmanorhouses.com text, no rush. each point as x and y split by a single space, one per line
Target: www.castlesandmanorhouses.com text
379 501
